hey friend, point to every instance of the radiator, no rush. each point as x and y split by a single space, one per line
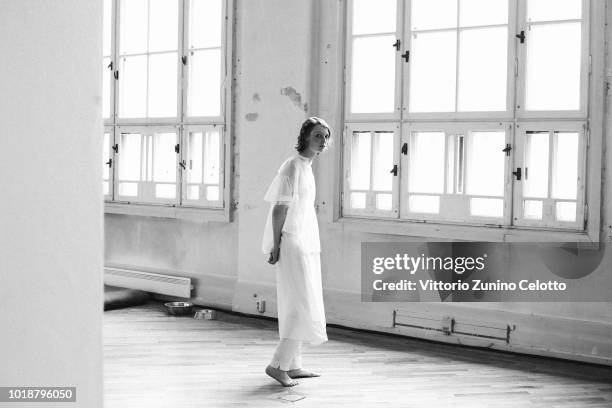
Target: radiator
148 281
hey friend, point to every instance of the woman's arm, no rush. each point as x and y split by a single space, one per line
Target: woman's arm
279 213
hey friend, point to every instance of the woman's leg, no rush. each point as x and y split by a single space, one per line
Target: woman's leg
285 357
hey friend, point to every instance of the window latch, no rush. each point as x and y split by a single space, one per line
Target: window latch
405 148
110 66
116 148
182 164
507 149
517 173
397 44
116 74
406 56
177 149
109 163
184 59
394 170
521 36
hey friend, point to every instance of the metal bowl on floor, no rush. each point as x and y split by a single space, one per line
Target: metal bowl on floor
179 308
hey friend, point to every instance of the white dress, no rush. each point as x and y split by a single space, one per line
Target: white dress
301 315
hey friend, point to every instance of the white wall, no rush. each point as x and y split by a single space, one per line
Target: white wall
50 207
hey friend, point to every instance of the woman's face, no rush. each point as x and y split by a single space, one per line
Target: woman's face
317 140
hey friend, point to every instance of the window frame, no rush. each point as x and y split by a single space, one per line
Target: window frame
593 93
218 212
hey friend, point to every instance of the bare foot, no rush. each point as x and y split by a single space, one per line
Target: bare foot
280 376
302 373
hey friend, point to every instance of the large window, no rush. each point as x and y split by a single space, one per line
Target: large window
467 111
164 101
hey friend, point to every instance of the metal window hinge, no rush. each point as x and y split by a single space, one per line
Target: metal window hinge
405 149
521 36
116 75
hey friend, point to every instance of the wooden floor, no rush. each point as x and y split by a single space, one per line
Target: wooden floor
155 360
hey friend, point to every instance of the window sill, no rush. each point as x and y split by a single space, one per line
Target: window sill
164 211
461 232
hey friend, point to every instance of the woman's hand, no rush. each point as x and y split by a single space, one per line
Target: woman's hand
274 255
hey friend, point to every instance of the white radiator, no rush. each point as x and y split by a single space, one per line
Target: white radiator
148 281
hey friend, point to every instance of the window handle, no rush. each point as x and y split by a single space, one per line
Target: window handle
517 173
184 59
507 149
116 74
182 164
110 66
521 36
109 163
116 148
394 170
177 148
397 44
405 148
406 56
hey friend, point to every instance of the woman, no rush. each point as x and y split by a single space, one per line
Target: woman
291 238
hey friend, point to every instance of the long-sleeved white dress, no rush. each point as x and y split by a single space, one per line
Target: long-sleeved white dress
301 314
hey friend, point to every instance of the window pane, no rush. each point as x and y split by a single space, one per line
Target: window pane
106 88
211 161
194 169
565 165
535 179
424 204
164 157
162 85
432 74
532 209
133 26
358 200
167 191
428 14
360 161
212 193
371 17
483 12
373 75
105 156
193 193
487 207
204 94
133 87
566 211
483 66
450 163
384 202
383 161
426 166
485 163
108 27
163 25
128 189
553 67
205 23
548 10
129 156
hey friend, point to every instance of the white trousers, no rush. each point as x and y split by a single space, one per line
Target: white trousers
288 355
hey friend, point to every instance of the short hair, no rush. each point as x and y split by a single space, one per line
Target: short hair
305 130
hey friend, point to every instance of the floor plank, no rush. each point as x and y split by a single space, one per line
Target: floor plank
155 360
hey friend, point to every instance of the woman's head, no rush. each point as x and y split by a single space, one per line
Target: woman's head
315 136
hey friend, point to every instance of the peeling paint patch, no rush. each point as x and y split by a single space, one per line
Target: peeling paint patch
256 97
251 117
295 97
